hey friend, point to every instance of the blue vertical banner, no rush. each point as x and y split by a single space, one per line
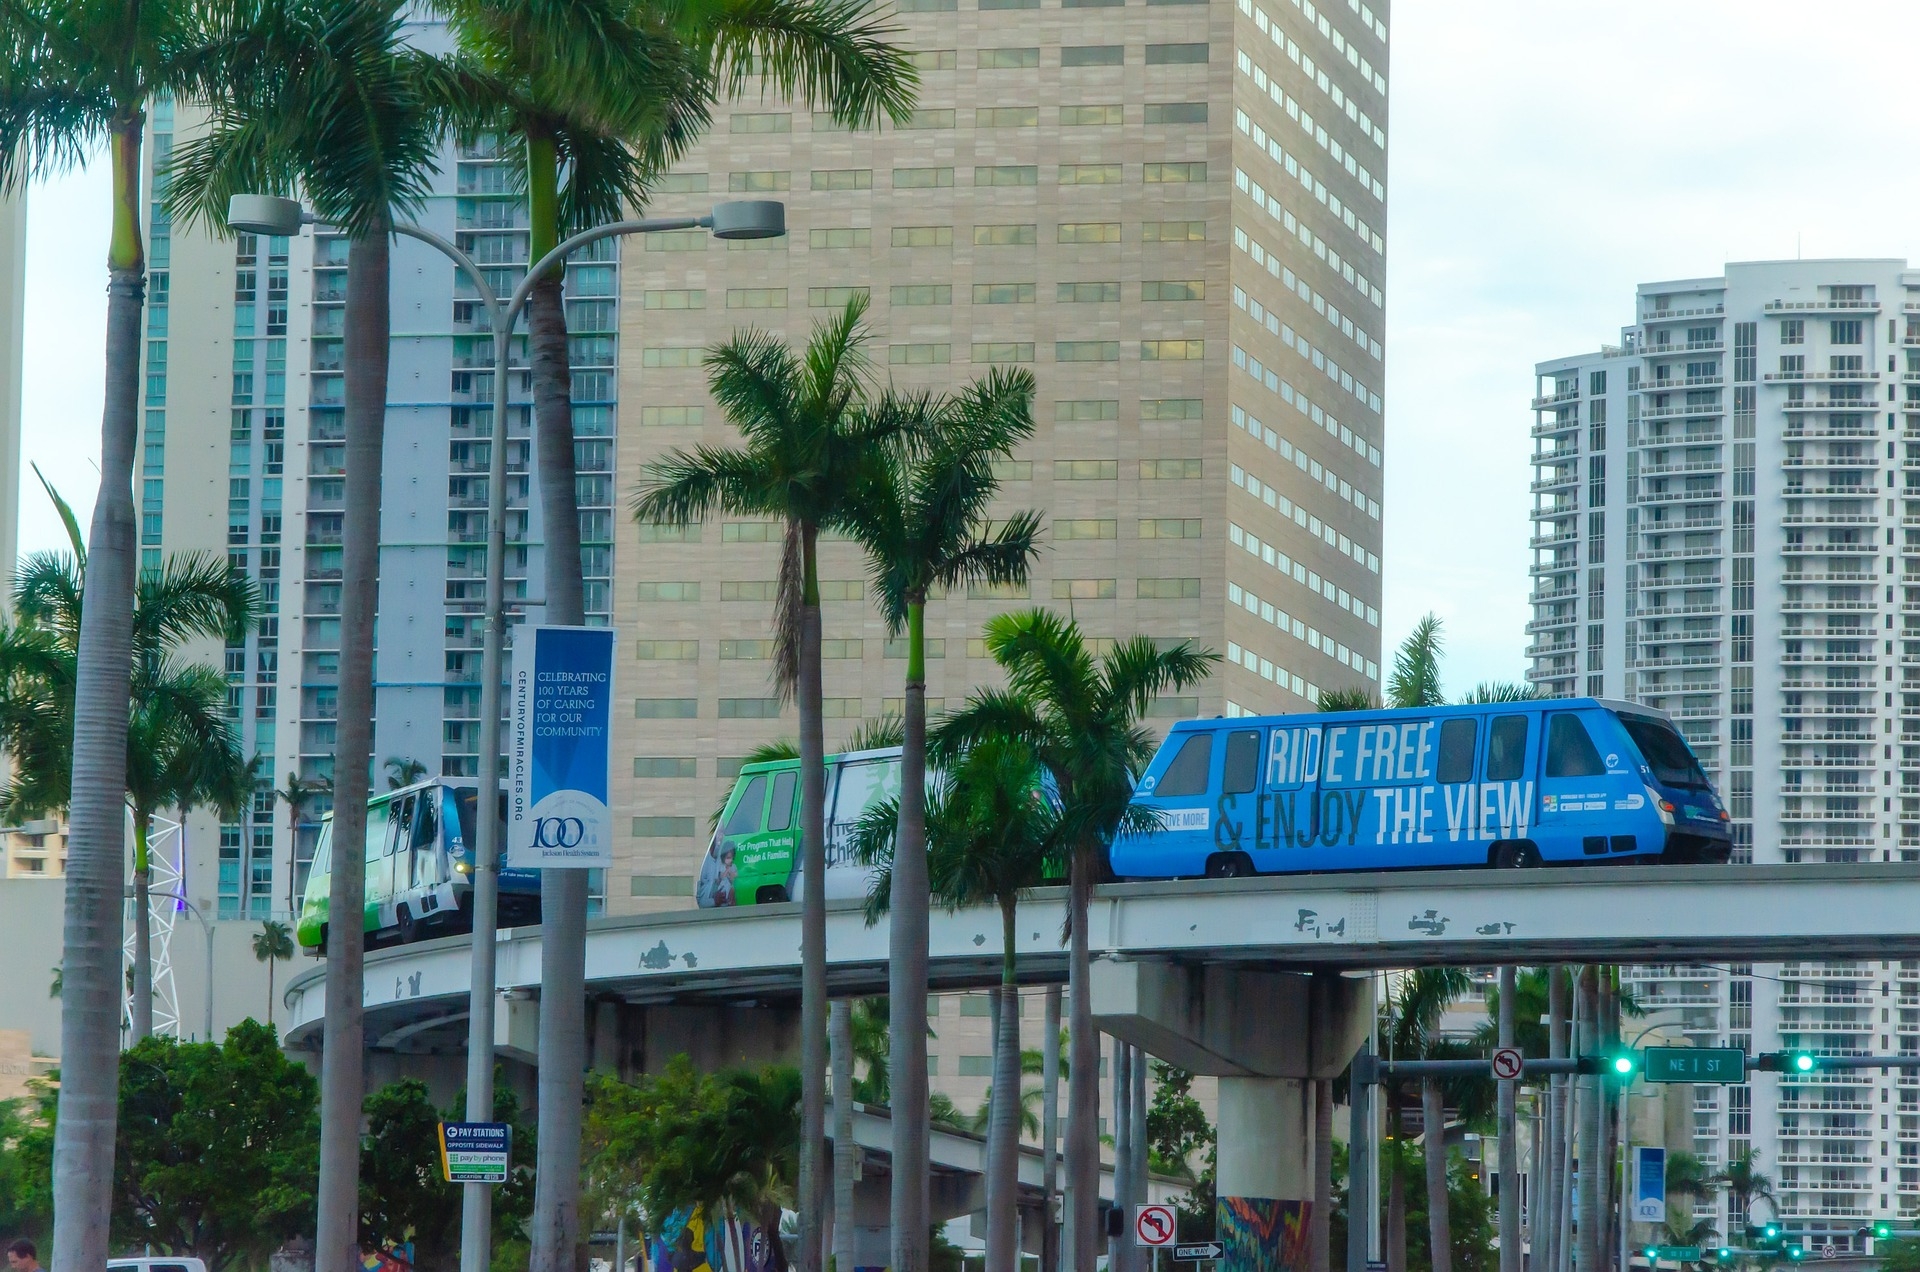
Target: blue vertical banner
560 704
1650 1185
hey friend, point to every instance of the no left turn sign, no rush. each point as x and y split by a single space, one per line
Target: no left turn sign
1153 1225
1507 1062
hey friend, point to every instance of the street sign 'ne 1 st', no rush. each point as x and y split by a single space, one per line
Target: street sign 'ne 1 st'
1696 1064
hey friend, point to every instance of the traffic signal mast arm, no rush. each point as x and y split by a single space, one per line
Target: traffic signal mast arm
1625 1064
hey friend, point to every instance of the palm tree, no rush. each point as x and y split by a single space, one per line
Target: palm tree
808 446
990 837
76 77
603 95
924 525
728 1150
181 750
1414 679
1422 998
404 771
340 108
1081 718
1744 1182
272 944
296 795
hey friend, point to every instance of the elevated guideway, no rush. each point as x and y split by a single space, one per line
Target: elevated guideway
751 956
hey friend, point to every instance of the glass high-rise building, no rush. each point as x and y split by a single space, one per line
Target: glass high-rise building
1723 530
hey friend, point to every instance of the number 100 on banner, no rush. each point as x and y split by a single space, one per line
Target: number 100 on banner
560 705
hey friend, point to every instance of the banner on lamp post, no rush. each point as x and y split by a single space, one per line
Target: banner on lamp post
1650 1185
560 696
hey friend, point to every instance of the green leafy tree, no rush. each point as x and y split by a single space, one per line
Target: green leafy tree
1901 1254
1177 1132
216 1148
181 748
76 77
725 1144
272 944
404 771
1081 717
991 837
1414 678
22 1200
1745 1183
403 1195
924 525
338 106
809 444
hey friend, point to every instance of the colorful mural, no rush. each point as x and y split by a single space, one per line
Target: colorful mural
686 1243
1262 1234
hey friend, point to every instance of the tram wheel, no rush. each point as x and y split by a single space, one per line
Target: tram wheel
409 926
1229 865
1513 855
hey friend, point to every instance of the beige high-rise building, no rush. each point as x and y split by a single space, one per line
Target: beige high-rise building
1174 215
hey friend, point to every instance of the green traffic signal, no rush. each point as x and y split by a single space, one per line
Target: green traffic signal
1652 1253
1804 1062
1882 1230
1723 1255
1771 1232
1625 1063
1796 1253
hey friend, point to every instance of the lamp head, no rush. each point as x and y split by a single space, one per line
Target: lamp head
266 214
749 219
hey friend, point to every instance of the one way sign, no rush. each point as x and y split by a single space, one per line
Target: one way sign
1199 1253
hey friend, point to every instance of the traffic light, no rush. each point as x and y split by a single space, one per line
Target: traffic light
1623 1064
1770 1232
1882 1230
1788 1062
1653 1254
1723 1255
1796 1253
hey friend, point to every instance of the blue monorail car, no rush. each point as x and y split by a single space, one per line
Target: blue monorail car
1502 784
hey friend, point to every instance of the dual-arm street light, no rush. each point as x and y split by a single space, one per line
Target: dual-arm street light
278 217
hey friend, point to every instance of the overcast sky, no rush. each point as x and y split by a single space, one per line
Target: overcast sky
1546 156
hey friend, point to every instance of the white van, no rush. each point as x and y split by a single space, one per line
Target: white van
157 1263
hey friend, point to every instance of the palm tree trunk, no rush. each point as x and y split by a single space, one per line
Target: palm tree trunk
270 963
1591 1156
1120 1252
552 392
1508 1095
813 922
1433 1115
907 971
1003 1123
142 929
1138 1172
96 852
1320 1220
1546 1223
1397 1187
1050 1131
563 905
846 1154
342 1079
1083 1089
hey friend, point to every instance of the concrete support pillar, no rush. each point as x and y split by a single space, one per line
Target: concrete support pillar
1265 1172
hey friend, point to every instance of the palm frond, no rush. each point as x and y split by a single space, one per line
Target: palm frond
1350 698
1415 679
1501 691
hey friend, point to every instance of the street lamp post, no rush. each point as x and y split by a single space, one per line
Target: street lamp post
738 219
206 926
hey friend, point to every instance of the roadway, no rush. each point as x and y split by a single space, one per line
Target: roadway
1625 914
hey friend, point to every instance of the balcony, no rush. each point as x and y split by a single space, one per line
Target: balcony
1666 315
1676 412
1823 306
1687 466
1830 519
1823 461
1675 350
1804 712
1665 611
1678 660
1830 405
1659 385
1553 428
1677 553
1832 489
1801 428
1707 436
1565 479
1817 376
1548 624
1802 657
1557 539
1797 606
1830 549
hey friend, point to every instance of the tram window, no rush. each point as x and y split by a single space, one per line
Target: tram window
1507 748
1570 751
426 822
1456 751
1187 775
746 814
1242 765
780 816
401 813
379 831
